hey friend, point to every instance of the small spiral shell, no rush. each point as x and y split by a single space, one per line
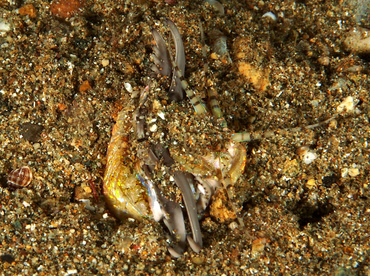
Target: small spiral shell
20 178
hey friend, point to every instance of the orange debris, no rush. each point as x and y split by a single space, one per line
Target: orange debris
256 77
85 86
29 10
66 8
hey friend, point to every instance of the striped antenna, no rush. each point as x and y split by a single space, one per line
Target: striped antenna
249 136
194 99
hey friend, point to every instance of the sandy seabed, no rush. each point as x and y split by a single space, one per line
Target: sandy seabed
63 70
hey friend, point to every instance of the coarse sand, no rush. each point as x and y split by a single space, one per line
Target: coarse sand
68 67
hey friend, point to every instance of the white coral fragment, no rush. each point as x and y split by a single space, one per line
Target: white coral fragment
348 105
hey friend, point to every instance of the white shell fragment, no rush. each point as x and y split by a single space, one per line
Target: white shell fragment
153 128
270 15
309 157
348 105
128 87
352 172
161 115
4 27
306 154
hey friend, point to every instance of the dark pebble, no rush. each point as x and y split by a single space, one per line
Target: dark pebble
7 258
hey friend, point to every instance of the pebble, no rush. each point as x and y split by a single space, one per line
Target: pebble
140 266
311 183
65 9
36 146
217 6
258 78
324 60
356 42
105 63
198 260
353 172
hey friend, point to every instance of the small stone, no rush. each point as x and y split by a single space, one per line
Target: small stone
214 56
307 155
323 60
302 151
7 258
198 260
36 146
358 41
105 63
61 106
161 115
333 124
125 267
270 16
240 55
311 183
72 271
140 266
353 172
291 168
31 132
257 77
4 27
